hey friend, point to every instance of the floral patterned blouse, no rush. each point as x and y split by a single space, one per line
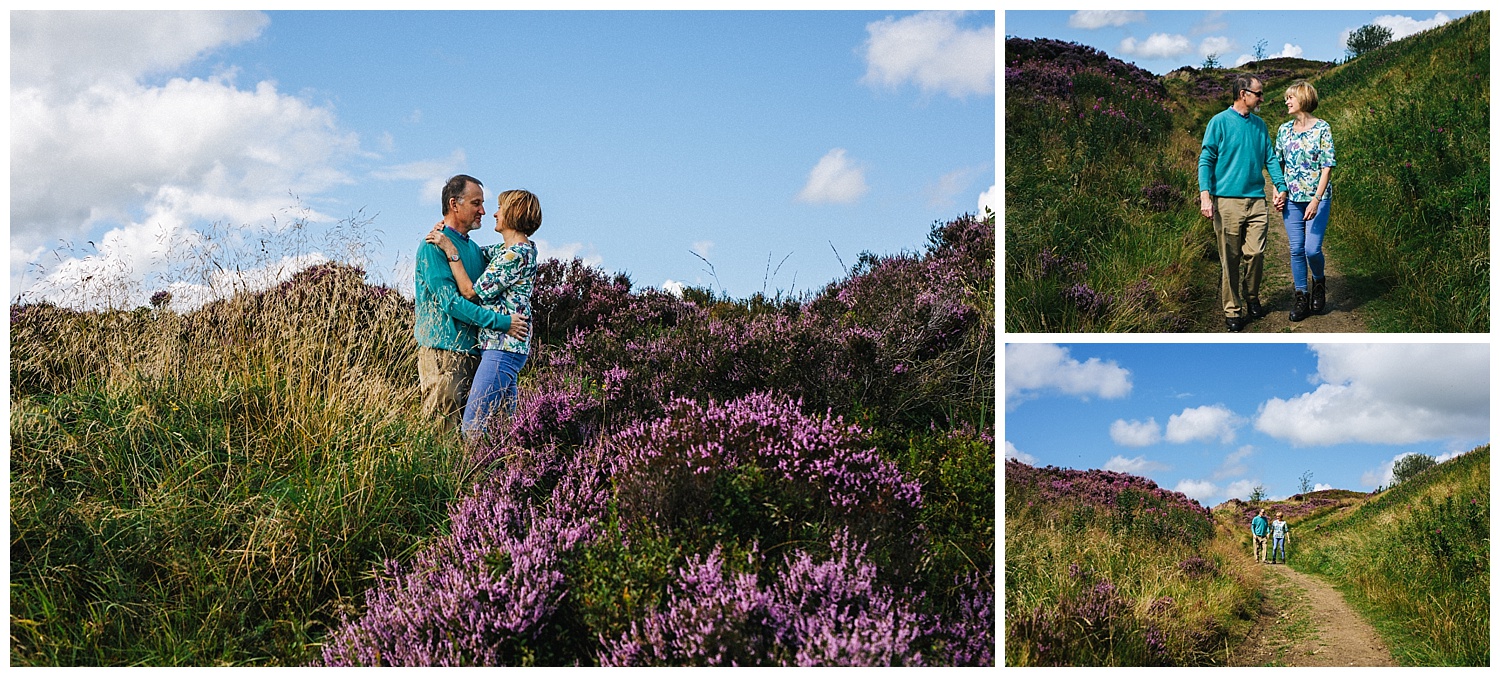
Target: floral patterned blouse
1303 157
505 287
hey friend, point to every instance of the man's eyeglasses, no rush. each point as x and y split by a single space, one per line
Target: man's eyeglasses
1260 94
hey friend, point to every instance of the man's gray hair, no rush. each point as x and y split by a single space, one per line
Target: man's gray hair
1242 83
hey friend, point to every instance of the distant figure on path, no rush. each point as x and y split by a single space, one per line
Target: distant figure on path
447 323
1259 530
1232 192
1305 146
504 287
1279 533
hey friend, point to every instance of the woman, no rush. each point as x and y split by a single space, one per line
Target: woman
1305 147
1280 532
505 286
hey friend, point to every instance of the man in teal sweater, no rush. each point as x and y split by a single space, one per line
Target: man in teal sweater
447 325
1236 146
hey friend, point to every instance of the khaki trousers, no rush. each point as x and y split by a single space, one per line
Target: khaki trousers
1240 223
445 376
1260 548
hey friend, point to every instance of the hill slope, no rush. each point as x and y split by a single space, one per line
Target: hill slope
1102 226
1415 560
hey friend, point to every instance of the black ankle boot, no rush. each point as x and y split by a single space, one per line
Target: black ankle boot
1318 303
1299 306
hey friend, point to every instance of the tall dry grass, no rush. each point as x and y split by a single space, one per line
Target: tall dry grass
213 486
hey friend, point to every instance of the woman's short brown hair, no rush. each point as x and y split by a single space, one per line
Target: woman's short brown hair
521 210
1305 94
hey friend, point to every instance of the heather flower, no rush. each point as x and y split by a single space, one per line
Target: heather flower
477 595
830 612
664 469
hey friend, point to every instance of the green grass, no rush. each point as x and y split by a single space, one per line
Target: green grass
1086 250
206 499
1414 560
1057 557
1411 124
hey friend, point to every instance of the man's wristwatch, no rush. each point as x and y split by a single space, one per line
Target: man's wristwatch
453 258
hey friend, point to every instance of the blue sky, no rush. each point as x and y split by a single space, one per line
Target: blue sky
755 140
1215 420
1163 41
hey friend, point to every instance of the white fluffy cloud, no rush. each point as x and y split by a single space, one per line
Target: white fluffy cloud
1234 463
1203 424
1400 26
566 252
1383 475
431 174
1322 487
1135 466
933 51
1288 50
1100 18
1158 46
989 200
1031 368
1387 393
153 158
673 287
1209 493
835 179
1403 26
1199 490
1011 452
1135 433
1216 44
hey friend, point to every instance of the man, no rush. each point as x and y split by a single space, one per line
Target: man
1259 529
1232 192
447 323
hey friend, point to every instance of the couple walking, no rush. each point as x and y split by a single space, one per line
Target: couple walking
1279 532
473 305
1236 146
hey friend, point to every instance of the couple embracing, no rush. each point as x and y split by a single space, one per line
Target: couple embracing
1236 146
473 305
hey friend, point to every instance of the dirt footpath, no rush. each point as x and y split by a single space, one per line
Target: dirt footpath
1305 622
1342 314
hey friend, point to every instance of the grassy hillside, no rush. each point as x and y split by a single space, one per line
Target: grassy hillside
1102 225
252 482
1415 560
1104 568
1411 123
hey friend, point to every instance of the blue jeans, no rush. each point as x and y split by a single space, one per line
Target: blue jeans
1279 549
494 387
1306 240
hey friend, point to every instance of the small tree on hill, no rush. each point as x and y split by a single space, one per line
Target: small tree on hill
1367 39
1212 61
1409 466
1260 50
1306 482
1258 494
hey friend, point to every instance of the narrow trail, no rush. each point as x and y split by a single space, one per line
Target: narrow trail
1342 314
1306 622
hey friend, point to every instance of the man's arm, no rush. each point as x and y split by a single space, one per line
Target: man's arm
433 266
1206 160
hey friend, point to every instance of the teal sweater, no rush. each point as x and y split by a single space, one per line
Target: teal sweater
1235 148
445 319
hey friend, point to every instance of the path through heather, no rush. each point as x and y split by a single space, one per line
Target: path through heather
1306 622
1342 314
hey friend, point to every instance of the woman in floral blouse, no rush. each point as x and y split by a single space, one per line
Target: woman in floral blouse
1305 146
505 286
